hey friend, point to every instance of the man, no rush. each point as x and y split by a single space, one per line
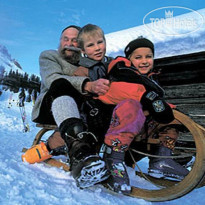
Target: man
59 101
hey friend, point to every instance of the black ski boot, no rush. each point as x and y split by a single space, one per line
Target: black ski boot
119 179
62 150
166 167
87 168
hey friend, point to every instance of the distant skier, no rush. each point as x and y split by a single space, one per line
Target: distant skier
34 96
22 97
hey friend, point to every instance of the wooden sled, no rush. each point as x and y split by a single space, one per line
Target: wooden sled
190 144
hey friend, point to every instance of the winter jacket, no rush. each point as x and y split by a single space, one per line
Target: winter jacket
96 69
128 83
52 68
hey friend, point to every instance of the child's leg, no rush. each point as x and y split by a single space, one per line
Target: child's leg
166 167
127 121
168 137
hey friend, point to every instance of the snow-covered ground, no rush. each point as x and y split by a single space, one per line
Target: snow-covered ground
25 184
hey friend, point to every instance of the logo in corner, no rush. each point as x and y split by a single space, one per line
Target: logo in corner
173 20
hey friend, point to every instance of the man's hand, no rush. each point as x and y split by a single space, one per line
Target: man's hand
81 71
99 87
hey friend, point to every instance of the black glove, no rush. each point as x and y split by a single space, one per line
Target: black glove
157 107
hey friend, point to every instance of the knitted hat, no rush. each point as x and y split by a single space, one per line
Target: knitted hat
138 43
71 26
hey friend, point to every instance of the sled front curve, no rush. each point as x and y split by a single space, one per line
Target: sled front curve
44 129
178 189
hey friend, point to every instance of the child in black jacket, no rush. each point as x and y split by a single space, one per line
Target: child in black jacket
133 90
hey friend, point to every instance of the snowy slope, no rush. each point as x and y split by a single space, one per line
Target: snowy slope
165 45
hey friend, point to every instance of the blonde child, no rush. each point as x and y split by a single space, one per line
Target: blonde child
92 42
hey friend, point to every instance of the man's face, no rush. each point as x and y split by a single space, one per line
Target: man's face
69 39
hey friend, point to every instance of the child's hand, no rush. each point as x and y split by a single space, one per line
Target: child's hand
99 87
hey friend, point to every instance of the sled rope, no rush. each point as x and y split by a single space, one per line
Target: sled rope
158 156
142 174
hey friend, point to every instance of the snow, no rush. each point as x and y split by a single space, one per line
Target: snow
25 184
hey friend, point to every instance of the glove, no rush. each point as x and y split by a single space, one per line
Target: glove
157 107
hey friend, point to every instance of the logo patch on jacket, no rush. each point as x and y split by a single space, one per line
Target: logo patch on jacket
158 106
151 95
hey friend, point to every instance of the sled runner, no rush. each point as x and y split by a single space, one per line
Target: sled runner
189 151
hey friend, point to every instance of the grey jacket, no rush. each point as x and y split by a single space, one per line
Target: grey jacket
53 67
96 69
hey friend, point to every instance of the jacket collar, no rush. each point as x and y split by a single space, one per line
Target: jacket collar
87 62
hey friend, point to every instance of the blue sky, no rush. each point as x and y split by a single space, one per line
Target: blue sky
31 26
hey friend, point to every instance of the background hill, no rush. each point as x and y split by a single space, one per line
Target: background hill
13 77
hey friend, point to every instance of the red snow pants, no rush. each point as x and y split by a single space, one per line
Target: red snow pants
127 121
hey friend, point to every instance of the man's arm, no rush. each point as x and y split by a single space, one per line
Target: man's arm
53 67
99 87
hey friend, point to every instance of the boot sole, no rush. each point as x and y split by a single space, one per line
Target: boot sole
159 175
120 189
92 174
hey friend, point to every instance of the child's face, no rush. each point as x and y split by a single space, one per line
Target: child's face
94 47
142 59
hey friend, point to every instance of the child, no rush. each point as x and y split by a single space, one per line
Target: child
132 86
92 42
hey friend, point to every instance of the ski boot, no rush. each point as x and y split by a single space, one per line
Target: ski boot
87 168
56 145
37 153
166 167
119 179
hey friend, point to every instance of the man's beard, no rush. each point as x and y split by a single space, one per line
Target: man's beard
73 58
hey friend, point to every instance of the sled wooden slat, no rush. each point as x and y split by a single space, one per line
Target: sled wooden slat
160 182
54 163
46 126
